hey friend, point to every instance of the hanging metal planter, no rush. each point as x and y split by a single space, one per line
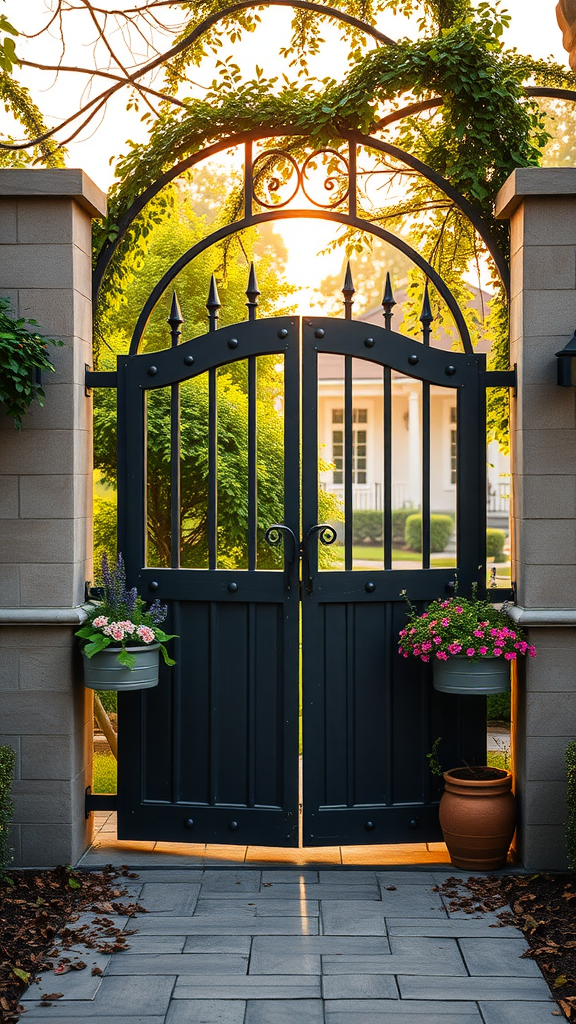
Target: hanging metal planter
103 671
461 675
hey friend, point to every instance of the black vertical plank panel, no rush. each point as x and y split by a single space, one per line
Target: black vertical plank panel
212 467
331 748
215 704
351 683
425 475
251 736
370 700
390 653
252 465
387 450
348 467
269 742
233 706
176 702
194 701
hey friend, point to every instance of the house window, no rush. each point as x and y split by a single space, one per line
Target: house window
453 445
359 448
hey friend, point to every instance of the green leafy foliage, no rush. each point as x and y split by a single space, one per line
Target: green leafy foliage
570 758
495 540
498 707
441 529
7 762
23 354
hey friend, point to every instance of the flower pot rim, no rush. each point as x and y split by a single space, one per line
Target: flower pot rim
473 783
132 650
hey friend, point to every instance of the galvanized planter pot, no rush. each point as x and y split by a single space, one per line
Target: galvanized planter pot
460 675
104 672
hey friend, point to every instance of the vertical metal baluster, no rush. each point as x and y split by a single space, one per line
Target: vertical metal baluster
251 715
213 306
213 715
351 738
387 427
426 321
348 467
175 321
252 465
348 292
388 303
252 293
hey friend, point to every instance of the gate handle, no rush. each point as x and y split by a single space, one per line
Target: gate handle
273 537
326 535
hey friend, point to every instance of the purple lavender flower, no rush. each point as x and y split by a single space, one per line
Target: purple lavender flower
107 579
131 598
158 612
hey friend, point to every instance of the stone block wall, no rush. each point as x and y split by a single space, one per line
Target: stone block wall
541 206
46 514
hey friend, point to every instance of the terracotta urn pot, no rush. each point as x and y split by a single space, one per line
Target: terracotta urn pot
478 817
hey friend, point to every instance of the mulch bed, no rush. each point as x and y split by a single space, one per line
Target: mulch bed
541 907
38 915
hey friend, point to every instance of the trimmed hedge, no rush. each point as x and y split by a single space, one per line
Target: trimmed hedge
369 526
441 528
495 540
498 707
109 700
571 801
7 762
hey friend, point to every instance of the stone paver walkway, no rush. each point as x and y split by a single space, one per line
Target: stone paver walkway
290 946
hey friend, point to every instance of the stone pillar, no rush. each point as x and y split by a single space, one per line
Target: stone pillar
46 514
541 206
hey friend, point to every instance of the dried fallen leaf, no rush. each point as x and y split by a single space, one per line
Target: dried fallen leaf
96 972
54 995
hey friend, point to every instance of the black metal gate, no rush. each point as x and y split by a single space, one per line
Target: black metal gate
212 754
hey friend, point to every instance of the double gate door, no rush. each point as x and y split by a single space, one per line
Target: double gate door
289 716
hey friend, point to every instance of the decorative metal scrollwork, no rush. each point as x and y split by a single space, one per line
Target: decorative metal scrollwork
277 178
275 535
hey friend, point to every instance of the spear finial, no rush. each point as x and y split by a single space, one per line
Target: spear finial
213 304
426 317
252 293
175 320
348 291
388 303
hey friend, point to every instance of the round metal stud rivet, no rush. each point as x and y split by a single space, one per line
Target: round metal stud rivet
232 588
188 360
283 333
370 587
189 823
233 825
369 826
319 332
369 342
413 360
414 823
450 371
233 343
152 371
153 585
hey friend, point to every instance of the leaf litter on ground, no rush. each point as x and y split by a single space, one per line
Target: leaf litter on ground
540 905
39 926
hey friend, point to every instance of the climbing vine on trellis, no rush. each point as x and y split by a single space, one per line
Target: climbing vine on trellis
485 127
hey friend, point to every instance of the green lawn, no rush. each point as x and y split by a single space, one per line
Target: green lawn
104 773
498 759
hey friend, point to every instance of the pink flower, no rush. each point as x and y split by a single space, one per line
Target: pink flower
482 650
404 655
445 622
425 657
478 632
100 621
426 646
114 630
493 632
497 652
437 639
454 648
416 650
510 655
400 650
424 615
445 604
127 626
403 632
146 634
441 656
458 609
470 652
532 652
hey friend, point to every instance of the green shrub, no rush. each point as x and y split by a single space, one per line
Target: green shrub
571 801
495 540
498 707
7 762
368 527
399 517
441 528
105 772
109 700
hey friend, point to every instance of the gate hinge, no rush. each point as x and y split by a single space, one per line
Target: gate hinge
99 802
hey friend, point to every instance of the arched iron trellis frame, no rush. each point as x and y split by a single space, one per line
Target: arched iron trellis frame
354 139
